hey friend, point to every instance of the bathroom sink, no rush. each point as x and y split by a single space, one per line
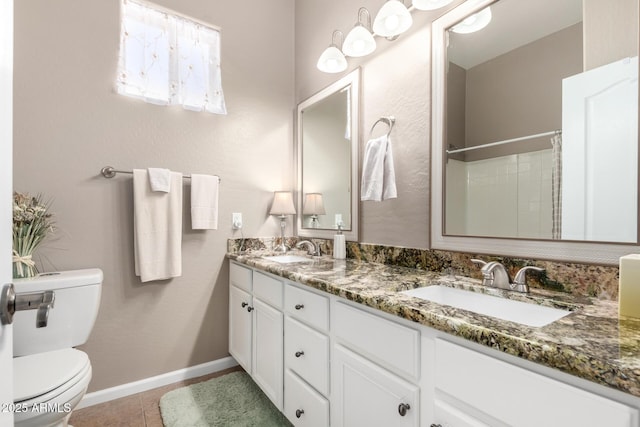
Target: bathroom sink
528 314
287 259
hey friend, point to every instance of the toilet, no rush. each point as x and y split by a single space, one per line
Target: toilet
50 375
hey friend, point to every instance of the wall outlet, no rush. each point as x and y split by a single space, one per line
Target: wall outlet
236 221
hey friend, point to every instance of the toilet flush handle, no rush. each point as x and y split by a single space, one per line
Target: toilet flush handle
42 317
10 302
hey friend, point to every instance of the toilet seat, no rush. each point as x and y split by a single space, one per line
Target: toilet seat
43 376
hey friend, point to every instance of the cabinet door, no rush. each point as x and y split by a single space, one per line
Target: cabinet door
364 394
268 356
240 324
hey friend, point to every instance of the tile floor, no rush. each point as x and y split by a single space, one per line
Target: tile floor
137 410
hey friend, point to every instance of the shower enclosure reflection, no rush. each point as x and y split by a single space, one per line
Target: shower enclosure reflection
540 135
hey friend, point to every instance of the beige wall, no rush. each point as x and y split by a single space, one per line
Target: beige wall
395 81
69 123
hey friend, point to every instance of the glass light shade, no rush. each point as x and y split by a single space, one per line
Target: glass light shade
392 19
474 23
332 60
430 4
313 204
359 42
282 203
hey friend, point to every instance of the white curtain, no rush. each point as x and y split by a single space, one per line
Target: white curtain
556 183
168 59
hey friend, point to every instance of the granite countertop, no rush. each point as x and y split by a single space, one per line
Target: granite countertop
591 342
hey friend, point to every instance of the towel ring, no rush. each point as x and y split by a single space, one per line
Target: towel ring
389 120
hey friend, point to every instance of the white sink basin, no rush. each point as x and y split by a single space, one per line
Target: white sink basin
286 259
505 309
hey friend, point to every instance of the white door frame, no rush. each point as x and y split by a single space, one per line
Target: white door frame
6 185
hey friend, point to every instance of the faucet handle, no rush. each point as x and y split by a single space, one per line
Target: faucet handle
520 281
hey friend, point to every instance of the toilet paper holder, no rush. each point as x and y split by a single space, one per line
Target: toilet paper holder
10 302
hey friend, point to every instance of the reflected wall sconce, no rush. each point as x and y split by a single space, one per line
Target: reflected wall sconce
474 23
392 20
282 206
314 206
332 59
360 41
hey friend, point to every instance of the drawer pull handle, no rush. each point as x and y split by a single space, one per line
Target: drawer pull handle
244 304
299 412
299 353
299 306
435 425
249 309
403 408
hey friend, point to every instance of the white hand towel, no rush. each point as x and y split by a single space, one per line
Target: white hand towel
160 179
204 202
157 228
378 173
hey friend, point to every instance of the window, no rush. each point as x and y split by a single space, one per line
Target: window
169 59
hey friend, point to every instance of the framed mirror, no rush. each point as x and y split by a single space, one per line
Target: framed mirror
535 129
328 134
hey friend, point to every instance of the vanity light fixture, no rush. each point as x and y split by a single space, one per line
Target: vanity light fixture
314 206
430 4
360 41
392 20
282 206
474 23
332 59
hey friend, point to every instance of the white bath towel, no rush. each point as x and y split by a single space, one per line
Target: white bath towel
204 202
157 228
378 173
160 179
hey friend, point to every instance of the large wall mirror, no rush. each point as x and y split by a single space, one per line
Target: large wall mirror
535 129
327 160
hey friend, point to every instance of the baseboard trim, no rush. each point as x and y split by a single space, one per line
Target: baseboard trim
128 389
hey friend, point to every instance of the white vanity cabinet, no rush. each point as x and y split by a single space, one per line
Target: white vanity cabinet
256 325
472 389
306 356
375 369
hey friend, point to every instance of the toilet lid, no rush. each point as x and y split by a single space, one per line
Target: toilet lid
40 373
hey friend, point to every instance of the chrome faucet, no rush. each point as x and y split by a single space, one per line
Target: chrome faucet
495 275
312 248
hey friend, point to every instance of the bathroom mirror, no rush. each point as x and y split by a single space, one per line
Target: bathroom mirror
541 81
327 160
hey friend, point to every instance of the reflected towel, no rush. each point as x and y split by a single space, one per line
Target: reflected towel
157 228
378 173
160 179
204 202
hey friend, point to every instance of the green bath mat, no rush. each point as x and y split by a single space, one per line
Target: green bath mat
230 400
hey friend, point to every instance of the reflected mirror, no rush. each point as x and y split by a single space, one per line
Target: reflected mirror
327 153
535 130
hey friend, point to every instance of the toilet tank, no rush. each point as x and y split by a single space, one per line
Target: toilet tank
77 298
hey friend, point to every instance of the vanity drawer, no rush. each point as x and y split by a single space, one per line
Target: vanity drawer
306 351
304 406
268 289
392 345
506 391
307 306
240 277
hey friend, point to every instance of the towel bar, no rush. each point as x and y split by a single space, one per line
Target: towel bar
110 172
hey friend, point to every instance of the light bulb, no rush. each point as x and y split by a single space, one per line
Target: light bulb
392 19
359 42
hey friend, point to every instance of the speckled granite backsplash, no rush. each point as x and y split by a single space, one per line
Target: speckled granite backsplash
576 279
